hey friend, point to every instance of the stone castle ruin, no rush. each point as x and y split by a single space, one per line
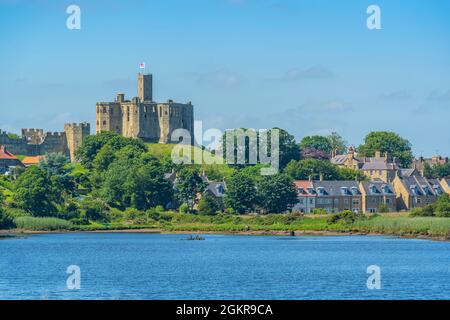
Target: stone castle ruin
143 118
34 142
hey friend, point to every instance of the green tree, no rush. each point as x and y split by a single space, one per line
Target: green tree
93 144
389 142
316 142
441 170
312 168
350 174
189 183
276 193
33 192
208 205
289 149
442 206
6 222
241 192
428 171
337 143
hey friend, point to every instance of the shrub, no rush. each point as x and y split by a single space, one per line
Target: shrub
6 222
94 209
319 211
184 208
346 217
208 205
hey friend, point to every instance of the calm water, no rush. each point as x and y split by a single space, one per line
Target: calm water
154 266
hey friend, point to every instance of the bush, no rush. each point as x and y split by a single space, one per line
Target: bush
383 208
6 222
208 205
319 211
94 209
184 208
346 217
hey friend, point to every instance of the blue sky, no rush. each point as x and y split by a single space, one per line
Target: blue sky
310 67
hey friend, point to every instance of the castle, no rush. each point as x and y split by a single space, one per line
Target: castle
142 117
34 142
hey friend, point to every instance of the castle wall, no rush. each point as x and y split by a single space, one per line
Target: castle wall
75 134
130 119
109 117
149 129
15 146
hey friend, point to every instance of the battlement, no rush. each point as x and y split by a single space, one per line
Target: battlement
54 134
82 125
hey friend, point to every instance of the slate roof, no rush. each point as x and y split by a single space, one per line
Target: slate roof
378 188
336 188
216 188
420 186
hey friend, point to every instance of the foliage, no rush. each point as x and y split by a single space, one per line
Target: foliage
184 208
389 142
383 208
437 171
34 192
276 193
337 143
6 222
316 142
304 169
241 192
351 174
189 184
346 217
208 204
312 153
440 208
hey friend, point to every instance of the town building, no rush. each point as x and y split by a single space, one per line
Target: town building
420 163
416 191
380 167
8 161
337 196
306 197
445 184
32 160
141 117
377 195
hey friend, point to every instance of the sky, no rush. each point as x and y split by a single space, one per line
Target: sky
308 66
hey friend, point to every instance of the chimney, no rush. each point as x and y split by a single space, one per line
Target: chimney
120 97
377 154
310 178
321 177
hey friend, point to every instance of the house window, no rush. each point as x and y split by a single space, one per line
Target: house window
355 202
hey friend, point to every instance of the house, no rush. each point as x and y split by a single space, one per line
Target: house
337 196
214 188
416 191
377 194
380 167
419 163
32 161
306 197
8 161
445 184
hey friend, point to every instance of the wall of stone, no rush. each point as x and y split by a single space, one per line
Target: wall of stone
75 135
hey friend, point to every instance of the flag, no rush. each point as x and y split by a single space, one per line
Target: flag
142 65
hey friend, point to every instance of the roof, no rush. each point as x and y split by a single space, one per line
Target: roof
28 161
378 165
305 188
420 186
336 188
408 172
6 155
216 188
378 188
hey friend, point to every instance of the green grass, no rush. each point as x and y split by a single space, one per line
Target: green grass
42 224
426 226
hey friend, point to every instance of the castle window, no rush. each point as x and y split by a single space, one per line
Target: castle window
104 122
104 109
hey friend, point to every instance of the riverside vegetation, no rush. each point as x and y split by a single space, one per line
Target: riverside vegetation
120 184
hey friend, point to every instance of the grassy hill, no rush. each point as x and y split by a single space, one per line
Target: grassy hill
213 171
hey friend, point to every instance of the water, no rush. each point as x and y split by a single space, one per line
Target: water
157 266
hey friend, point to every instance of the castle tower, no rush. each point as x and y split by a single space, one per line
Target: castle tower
75 134
145 87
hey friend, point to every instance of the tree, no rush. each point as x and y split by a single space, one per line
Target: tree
33 192
289 149
136 180
208 204
241 192
189 183
55 166
93 144
428 171
317 142
276 193
311 153
6 222
389 142
351 174
441 170
337 143
311 168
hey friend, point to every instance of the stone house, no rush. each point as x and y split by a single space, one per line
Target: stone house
376 194
337 196
445 184
416 191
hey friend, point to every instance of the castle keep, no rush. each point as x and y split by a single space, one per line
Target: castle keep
143 118
34 142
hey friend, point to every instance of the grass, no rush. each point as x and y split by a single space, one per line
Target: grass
42 224
404 226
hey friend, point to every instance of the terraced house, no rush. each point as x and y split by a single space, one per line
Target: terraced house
337 196
416 191
306 197
377 195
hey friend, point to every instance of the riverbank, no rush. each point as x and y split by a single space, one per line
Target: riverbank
399 225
